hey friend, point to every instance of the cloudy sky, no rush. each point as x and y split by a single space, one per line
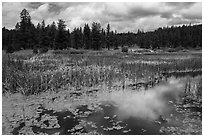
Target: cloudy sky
121 16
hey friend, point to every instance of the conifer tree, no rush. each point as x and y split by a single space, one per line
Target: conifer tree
52 31
61 35
25 29
95 35
87 37
108 36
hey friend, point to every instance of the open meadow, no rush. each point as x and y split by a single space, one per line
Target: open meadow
101 92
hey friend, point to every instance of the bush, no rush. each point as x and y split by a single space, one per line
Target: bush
125 49
43 50
10 49
35 51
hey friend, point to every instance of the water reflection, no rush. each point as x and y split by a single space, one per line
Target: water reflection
147 112
125 112
109 123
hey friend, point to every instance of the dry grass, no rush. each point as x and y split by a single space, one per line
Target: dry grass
32 74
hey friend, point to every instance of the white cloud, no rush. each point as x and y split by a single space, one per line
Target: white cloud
121 16
41 12
194 12
9 13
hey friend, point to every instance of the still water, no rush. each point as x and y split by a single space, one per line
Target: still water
132 113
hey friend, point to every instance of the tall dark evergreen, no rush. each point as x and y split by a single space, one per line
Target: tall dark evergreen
5 39
77 38
25 23
80 34
87 37
17 27
108 37
61 35
25 29
103 38
44 39
74 39
68 38
52 31
115 40
95 35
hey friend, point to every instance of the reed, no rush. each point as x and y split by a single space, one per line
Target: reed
34 74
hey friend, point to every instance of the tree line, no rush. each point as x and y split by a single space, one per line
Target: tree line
56 36
186 36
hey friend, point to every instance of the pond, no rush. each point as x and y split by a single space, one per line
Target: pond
131 113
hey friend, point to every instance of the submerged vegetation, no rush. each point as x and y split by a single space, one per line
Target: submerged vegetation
56 83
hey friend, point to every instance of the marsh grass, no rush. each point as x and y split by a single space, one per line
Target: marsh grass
193 88
33 74
39 78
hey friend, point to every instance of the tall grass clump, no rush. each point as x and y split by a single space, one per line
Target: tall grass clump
193 88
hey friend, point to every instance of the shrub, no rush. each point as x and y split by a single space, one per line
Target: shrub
43 50
10 49
125 49
35 51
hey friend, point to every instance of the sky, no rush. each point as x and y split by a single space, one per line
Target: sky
122 16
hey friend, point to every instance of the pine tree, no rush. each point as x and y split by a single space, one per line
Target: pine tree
87 37
68 37
115 40
77 38
80 33
25 29
25 23
52 34
108 36
103 38
61 35
74 39
17 27
44 39
95 35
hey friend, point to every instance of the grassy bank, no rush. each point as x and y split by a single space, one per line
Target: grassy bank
32 74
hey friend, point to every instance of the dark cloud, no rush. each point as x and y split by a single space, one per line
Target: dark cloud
180 4
166 15
55 8
141 12
59 6
35 5
192 16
